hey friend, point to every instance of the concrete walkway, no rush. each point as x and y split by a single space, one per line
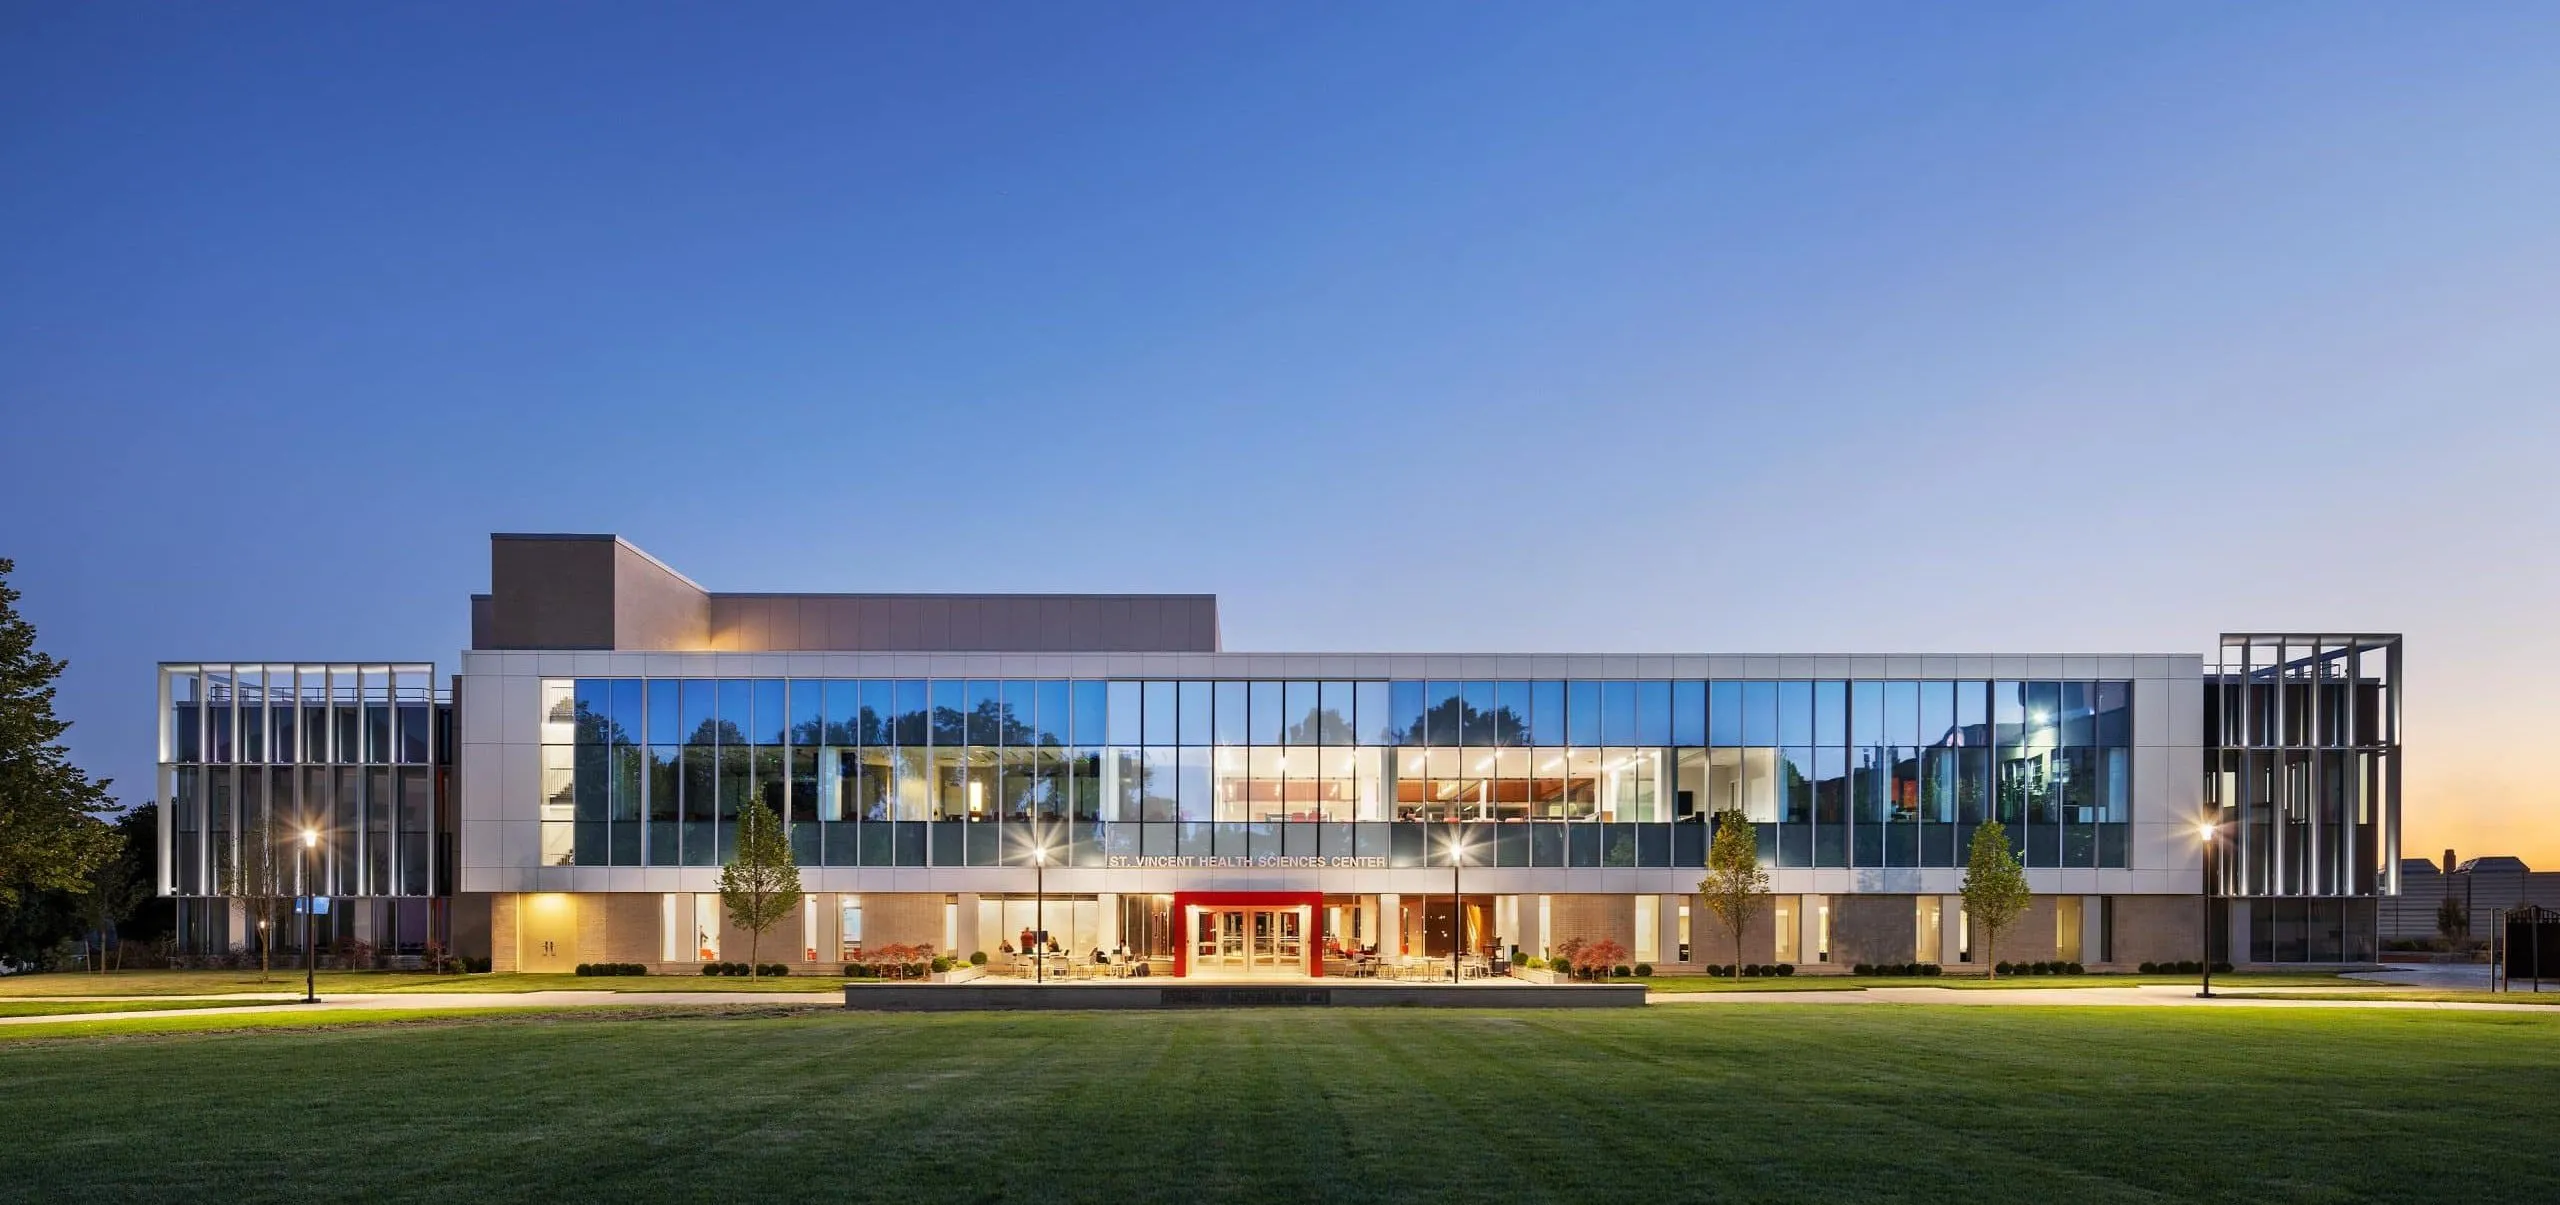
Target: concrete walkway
405 1001
2436 976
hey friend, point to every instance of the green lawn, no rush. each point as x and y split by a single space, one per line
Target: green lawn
1842 983
215 983
59 1008
1757 1102
2383 992
232 1019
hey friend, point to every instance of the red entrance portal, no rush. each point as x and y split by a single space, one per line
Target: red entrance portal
1241 932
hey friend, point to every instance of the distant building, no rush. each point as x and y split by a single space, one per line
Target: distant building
2485 886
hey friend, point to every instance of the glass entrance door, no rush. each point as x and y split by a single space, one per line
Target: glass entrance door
1251 941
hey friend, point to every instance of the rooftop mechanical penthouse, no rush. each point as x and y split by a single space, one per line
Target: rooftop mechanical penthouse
1008 773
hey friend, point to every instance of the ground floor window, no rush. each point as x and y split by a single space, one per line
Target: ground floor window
706 927
675 921
2311 930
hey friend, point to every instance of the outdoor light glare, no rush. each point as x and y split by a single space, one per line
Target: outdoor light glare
2204 831
310 838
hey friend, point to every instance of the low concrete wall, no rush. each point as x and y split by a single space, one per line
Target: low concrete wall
984 996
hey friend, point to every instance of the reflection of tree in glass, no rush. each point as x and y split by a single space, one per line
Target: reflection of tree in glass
597 728
1474 727
1325 727
717 732
949 727
1622 851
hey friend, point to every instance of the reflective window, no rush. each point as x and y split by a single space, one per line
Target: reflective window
1759 713
1795 713
1689 713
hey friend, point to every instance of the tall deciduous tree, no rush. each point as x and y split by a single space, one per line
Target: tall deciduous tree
1736 888
259 876
760 886
51 835
1995 889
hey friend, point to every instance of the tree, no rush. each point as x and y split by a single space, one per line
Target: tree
1995 889
257 878
123 883
51 837
2452 921
760 886
1736 887
1592 960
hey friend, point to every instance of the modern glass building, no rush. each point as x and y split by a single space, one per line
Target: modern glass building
1096 772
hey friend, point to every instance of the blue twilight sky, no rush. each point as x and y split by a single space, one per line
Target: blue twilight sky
1416 326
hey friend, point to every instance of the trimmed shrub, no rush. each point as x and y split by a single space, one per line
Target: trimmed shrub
941 963
2073 968
1785 969
775 969
2222 968
1932 969
977 958
1644 970
710 968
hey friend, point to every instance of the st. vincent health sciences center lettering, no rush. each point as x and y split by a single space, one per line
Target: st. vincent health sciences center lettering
1217 862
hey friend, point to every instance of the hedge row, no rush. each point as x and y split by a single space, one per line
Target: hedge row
2041 968
1753 970
741 970
612 968
2188 967
1897 968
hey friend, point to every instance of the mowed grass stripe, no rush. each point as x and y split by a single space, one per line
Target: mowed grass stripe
1759 1102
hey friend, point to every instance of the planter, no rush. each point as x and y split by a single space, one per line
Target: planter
958 974
1539 976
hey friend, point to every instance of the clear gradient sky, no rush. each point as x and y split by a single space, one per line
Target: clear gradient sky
1412 326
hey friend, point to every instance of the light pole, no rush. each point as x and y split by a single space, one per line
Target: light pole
310 965
2207 832
1039 912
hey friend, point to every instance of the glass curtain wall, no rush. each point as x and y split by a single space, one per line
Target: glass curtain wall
2302 766
953 772
253 756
